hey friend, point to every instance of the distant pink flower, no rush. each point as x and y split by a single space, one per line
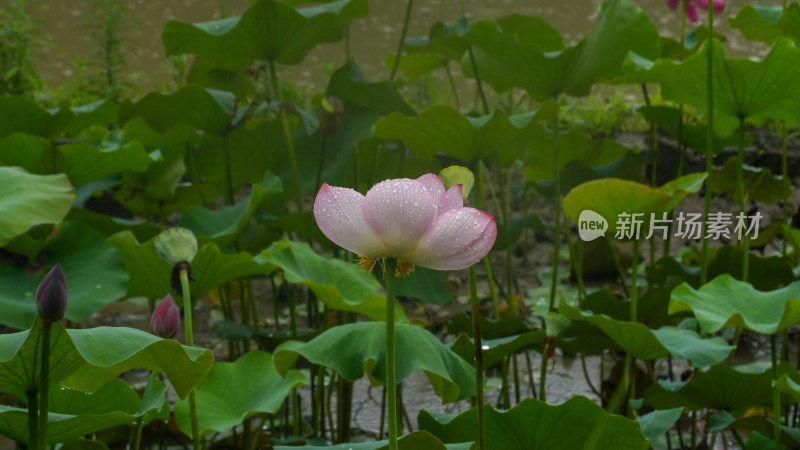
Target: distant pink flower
691 7
166 319
415 221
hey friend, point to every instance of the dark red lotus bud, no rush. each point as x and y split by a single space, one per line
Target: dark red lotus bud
51 296
166 319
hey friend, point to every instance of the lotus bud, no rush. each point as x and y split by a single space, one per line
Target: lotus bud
166 319
454 175
51 296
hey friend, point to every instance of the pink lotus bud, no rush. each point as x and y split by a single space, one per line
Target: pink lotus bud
691 12
673 4
51 296
166 319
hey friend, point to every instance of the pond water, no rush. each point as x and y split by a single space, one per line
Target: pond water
371 38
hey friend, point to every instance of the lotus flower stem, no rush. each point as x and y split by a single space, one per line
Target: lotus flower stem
287 134
476 336
406 20
187 317
33 418
557 225
709 140
391 377
45 383
742 201
776 396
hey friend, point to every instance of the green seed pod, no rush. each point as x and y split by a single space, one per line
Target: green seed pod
176 245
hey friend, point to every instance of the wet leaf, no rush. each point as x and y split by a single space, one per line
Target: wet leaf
93 269
506 60
766 23
340 285
29 200
532 424
224 401
89 358
453 379
725 301
267 30
74 413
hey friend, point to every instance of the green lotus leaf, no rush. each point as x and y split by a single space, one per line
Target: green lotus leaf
204 109
442 40
494 350
93 269
506 59
765 273
490 328
443 129
267 30
28 200
726 301
658 422
23 115
223 226
643 343
758 182
417 440
532 424
340 285
108 225
349 84
150 275
74 413
87 359
453 379
766 23
574 145
427 285
612 197
694 136
721 388
744 90
100 112
224 401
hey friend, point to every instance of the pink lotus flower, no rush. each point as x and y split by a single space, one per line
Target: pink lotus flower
691 7
415 221
166 319
51 295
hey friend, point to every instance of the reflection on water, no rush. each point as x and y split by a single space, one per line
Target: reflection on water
372 37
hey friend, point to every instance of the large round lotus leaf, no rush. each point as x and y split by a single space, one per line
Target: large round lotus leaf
74 413
418 440
766 23
340 285
27 200
87 359
93 270
643 343
534 425
612 197
150 274
743 89
726 301
204 109
719 388
511 58
23 115
267 30
360 348
232 392
443 129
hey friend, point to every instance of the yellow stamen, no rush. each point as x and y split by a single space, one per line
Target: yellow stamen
366 263
403 268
